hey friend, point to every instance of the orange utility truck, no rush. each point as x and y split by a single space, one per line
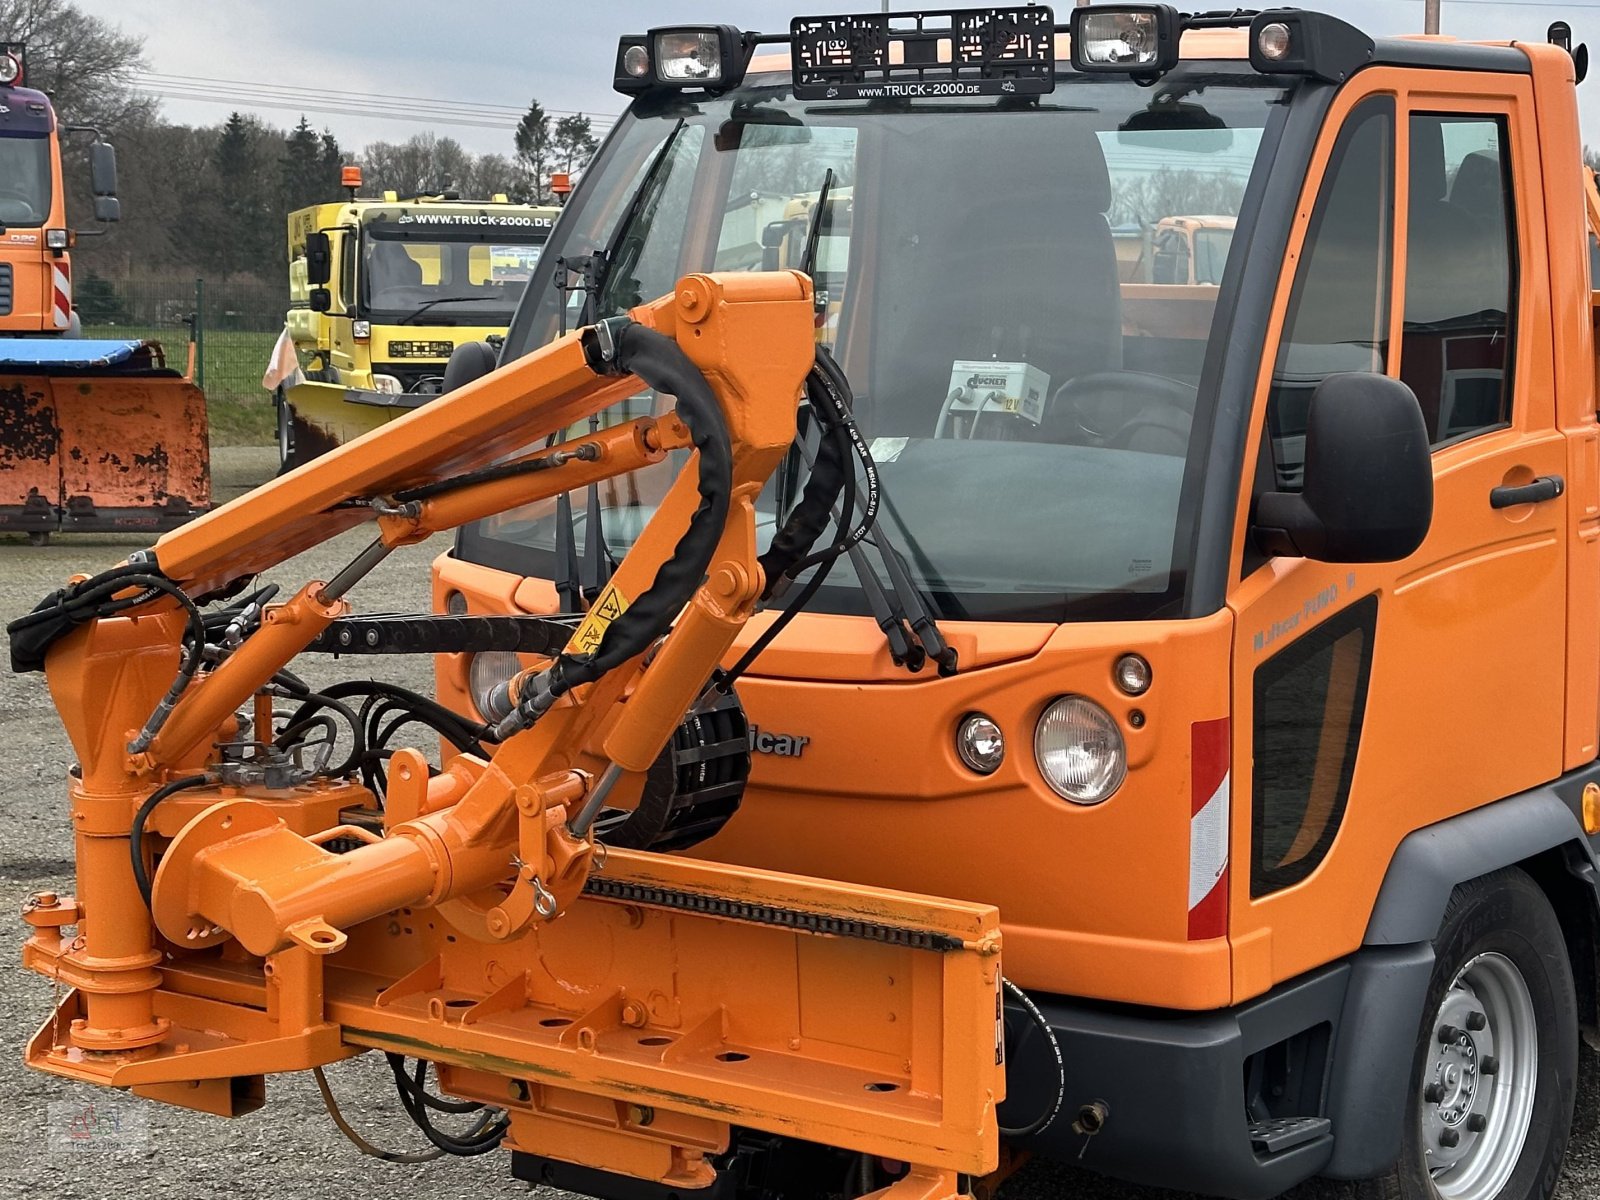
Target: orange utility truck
898 714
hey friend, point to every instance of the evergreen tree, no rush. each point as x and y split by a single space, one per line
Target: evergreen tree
534 143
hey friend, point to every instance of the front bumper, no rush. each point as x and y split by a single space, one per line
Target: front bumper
1309 1079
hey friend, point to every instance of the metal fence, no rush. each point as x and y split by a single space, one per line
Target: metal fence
233 324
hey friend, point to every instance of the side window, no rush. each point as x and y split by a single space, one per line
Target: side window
347 271
1309 702
1338 315
1461 274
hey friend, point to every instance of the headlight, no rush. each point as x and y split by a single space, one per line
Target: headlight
387 384
689 56
55 239
980 743
683 56
488 670
1080 750
1135 38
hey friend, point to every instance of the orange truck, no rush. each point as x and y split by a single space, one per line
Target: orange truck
95 434
897 715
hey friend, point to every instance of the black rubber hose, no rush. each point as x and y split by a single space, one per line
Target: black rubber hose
136 831
661 363
813 512
303 715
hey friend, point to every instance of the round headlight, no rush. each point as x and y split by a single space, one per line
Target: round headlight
1080 750
1273 41
636 61
980 743
489 670
10 68
1132 674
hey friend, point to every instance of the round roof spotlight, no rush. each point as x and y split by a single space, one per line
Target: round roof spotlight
1274 41
10 68
980 743
1132 674
636 61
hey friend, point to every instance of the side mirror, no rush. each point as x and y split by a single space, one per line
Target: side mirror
319 260
321 300
103 170
1368 494
772 236
107 208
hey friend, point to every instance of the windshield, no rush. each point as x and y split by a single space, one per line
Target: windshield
24 180
469 280
1028 399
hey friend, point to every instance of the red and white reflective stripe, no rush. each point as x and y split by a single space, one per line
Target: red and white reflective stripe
61 294
1208 831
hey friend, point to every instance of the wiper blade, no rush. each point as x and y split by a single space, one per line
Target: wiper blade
889 614
908 598
427 304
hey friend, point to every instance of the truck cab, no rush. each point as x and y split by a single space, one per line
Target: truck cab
35 270
1247 663
382 290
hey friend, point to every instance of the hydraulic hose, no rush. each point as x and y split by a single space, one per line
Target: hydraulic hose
661 363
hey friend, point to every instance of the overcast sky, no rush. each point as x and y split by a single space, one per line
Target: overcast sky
489 57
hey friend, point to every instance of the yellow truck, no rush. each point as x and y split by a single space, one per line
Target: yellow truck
381 292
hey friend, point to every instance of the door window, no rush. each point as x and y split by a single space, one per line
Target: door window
1461 275
1338 316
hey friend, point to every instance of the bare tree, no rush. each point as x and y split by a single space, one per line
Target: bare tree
86 63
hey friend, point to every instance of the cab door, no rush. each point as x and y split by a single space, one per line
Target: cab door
1372 700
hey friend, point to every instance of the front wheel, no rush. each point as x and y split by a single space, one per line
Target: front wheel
1495 1071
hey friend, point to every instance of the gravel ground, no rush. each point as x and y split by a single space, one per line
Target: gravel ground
161 1151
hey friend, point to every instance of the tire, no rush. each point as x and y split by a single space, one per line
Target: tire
1501 1134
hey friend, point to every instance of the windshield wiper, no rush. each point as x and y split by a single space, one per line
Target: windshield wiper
427 304
914 636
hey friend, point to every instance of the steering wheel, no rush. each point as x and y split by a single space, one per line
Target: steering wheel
1121 409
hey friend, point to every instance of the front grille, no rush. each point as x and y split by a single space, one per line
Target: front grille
5 289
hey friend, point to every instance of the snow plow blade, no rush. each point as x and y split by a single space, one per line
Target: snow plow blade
98 436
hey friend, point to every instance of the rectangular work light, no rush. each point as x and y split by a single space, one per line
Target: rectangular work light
712 57
1131 39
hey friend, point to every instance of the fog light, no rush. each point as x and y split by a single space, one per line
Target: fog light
55 239
1274 41
1132 674
10 68
636 61
1080 750
488 670
688 56
980 743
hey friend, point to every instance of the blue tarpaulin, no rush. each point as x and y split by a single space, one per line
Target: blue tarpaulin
46 353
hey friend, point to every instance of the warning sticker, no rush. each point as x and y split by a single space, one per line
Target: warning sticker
611 605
